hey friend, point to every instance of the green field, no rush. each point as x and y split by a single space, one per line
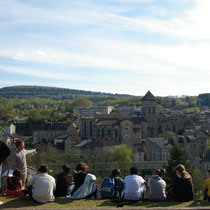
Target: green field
21 202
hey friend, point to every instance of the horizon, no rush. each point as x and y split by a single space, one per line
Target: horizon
174 96
112 46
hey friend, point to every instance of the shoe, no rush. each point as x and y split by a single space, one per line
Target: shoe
1 202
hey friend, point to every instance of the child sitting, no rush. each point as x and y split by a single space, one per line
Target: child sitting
14 184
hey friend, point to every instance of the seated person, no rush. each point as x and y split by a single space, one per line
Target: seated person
14 184
206 188
84 183
113 186
63 182
182 188
157 186
134 185
43 186
79 176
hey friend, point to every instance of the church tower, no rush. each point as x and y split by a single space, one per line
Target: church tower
149 112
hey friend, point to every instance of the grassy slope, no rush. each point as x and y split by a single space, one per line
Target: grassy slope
13 202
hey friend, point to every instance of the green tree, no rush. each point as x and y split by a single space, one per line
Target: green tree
81 101
208 145
198 180
120 157
35 115
170 134
159 107
196 110
178 155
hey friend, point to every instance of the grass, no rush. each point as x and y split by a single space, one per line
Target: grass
21 202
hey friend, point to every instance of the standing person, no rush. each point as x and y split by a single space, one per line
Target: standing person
43 186
157 186
63 182
206 188
134 185
182 189
4 153
18 160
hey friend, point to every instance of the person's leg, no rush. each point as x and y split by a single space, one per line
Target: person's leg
24 176
0 181
0 175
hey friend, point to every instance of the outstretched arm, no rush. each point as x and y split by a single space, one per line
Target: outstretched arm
31 151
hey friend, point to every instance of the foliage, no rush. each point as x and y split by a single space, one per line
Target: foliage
170 134
81 101
2 131
198 181
178 155
120 157
208 145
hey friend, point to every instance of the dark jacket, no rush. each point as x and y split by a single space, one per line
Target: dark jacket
79 179
4 151
183 189
63 181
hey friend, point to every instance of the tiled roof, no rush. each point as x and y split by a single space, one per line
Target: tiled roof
53 126
106 122
148 97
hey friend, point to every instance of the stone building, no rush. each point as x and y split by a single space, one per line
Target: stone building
149 112
112 126
91 110
48 131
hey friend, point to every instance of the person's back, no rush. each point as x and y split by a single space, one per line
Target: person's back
157 186
134 185
63 181
113 186
182 188
43 186
206 188
79 176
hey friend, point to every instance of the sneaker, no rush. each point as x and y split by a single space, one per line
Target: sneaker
1 202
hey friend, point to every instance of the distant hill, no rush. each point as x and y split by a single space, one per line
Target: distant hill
26 92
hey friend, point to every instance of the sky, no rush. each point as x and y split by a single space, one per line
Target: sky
112 46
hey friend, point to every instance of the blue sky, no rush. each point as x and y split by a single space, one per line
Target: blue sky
113 46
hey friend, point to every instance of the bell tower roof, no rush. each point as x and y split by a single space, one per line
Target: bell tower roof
148 97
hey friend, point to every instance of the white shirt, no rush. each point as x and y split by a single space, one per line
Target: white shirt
43 187
134 186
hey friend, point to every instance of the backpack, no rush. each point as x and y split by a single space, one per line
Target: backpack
108 187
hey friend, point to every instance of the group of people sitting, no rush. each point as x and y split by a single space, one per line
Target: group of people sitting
44 188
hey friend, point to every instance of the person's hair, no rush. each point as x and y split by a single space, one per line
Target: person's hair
181 169
209 171
66 169
133 170
18 143
116 172
160 172
43 168
81 167
17 173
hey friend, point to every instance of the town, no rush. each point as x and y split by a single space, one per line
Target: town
149 130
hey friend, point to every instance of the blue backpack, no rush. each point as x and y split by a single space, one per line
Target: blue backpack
108 187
